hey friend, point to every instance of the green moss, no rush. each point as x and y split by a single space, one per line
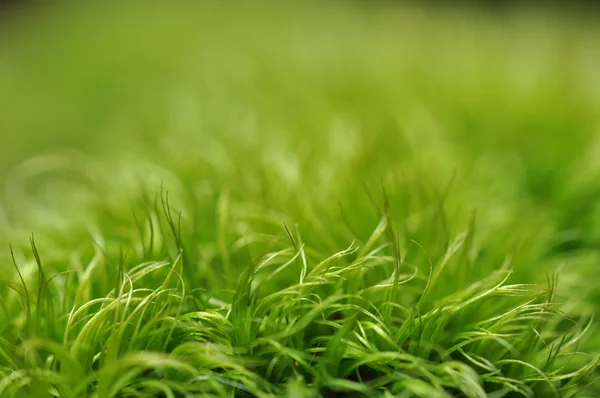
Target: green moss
298 201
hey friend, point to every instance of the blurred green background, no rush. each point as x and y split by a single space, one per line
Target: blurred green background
107 78
511 96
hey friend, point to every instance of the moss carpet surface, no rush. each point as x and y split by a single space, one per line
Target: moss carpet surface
303 200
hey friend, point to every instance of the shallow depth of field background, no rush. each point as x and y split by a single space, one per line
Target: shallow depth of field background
297 115
500 104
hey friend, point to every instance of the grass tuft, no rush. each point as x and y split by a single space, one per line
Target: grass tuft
356 200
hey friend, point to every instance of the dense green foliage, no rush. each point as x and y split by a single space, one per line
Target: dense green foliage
296 201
